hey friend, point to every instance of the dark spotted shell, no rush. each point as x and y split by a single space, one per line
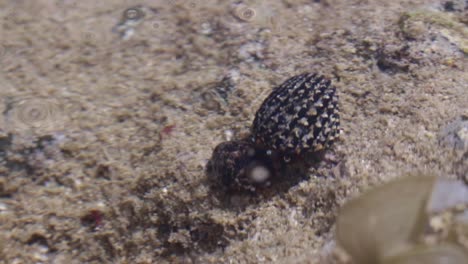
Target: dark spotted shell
299 116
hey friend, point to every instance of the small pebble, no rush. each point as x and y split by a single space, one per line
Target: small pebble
228 134
455 134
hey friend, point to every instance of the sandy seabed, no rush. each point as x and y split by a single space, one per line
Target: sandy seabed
107 121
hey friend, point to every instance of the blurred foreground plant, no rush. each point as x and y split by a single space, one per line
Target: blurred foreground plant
409 220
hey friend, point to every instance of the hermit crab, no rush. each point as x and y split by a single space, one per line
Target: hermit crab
299 117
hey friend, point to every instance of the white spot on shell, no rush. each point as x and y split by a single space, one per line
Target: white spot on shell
312 111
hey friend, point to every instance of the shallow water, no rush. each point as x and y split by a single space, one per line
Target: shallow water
111 109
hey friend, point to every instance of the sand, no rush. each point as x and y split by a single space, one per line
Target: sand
107 123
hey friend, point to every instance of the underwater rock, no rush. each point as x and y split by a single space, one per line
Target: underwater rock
383 219
455 134
388 224
445 253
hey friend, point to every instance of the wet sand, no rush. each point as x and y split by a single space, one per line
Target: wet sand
107 122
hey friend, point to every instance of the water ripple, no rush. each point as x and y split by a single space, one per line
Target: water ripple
34 113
